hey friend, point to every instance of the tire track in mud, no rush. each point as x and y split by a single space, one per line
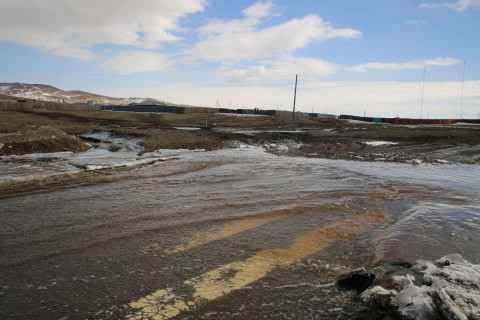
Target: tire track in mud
166 303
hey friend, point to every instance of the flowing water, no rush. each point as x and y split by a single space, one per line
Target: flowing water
234 233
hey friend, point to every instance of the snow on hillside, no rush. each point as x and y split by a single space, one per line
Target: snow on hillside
49 93
53 94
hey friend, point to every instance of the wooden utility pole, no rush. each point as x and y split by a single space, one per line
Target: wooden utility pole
294 98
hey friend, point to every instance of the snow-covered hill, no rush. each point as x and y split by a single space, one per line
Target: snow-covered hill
49 93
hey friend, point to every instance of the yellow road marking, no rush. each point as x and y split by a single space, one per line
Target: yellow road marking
164 304
237 226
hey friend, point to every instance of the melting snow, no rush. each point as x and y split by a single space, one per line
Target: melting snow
450 287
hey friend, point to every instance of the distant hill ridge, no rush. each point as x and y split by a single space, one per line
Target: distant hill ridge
50 93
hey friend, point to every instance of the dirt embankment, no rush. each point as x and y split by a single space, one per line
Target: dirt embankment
46 131
437 144
42 140
41 131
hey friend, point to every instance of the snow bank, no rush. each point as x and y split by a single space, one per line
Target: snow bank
449 289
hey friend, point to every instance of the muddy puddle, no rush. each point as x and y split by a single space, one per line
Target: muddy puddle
234 233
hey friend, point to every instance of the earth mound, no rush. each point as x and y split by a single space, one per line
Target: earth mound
42 140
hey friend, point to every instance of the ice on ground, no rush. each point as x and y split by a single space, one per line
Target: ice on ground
360 121
449 289
106 139
131 163
170 152
282 147
380 143
31 167
330 130
105 136
466 124
37 156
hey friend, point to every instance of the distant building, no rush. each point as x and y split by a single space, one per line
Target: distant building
92 102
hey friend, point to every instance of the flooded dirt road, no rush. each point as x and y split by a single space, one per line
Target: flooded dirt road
233 233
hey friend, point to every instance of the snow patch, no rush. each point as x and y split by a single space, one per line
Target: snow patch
282 147
466 124
380 143
449 289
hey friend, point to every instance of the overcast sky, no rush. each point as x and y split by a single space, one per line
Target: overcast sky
351 56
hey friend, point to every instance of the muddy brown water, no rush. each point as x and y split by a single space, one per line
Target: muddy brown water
235 233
